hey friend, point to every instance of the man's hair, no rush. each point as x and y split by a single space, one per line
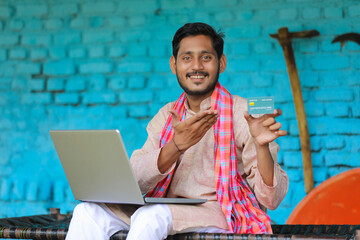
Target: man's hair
198 28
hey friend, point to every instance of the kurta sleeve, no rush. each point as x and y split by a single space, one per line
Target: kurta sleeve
268 196
144 160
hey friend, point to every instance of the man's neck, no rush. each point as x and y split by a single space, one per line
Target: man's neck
194 101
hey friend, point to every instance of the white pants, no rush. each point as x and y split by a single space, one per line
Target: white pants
96 221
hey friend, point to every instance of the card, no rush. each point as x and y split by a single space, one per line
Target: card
260 105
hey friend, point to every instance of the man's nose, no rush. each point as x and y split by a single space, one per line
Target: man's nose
197 64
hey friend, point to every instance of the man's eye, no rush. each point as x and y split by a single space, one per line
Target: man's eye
207 58
186 58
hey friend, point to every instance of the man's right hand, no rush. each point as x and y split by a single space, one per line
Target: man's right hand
191 131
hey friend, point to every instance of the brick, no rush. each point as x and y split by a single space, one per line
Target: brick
347 126
299 192
262 81
96 22
117 51
294 174
96 67
320 174
98 7
288 14
6 11
36 39
327 46
9 39
333 171
330 95
37 84
53 24
77 52
307 46
18 54
136 21
98 36
16 24
117 83
3 54
314 109
99 98
61 67
333 12
317 160
177 5
57 52
67 38
115 21
32 189
28 68
67 98
329 63
139 7
96 51
224 16
338 109
38 54
354 10
240 48
130 97
63 9
245 32
56 84
353 143
316 143
289 144
311 13
355 109
263 47
97 82
293 159
156 82
139 111
309 79
31 10
75 83
335 143
162 65
137 36
19 84
5 188
274 64
36 98
59 193
158 50
341 158
34 24
136 82
138 66
244 15
78 22
137 50
238 65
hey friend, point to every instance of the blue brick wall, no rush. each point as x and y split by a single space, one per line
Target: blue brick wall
86 64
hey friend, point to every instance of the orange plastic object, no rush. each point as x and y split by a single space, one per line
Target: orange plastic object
335 201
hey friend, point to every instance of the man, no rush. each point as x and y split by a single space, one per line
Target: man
204 145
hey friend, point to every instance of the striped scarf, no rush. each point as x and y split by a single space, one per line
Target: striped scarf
237 201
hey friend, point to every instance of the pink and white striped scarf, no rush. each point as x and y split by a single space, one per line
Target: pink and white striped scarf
237 201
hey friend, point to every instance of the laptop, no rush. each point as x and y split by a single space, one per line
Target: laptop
98 169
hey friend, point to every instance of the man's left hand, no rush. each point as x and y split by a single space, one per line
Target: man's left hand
265 129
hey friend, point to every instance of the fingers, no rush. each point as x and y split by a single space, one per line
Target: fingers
175 115
281 133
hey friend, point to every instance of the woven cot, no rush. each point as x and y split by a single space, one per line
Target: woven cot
55 225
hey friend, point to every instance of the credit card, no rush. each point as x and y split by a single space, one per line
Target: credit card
260 105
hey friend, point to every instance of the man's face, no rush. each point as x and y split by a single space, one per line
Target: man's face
197 66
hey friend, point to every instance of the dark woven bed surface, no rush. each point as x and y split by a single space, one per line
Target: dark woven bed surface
55 225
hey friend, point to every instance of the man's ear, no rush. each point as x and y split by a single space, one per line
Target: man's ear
223 62
173 64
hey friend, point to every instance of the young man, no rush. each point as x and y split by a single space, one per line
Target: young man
204 145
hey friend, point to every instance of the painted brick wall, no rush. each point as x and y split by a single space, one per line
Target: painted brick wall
104 64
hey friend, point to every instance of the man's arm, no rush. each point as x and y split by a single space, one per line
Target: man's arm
187 133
